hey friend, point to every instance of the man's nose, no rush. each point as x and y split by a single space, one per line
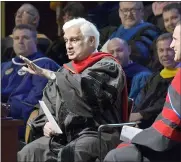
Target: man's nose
128 14
165 53
69 45
19 14
172 44
20 40
170 22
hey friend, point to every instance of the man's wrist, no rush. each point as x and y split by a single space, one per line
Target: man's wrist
49 74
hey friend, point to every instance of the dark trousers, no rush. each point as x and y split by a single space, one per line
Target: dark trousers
84 148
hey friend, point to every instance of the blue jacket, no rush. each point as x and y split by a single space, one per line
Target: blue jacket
137 76
21 89
140 38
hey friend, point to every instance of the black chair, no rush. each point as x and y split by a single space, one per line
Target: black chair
118 125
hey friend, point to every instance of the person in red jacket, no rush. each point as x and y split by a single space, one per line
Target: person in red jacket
162 141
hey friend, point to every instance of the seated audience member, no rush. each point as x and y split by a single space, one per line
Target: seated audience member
26 14
18 88
136 75
135 31
171 16
57 50
161 142
150 100
156 16
82 95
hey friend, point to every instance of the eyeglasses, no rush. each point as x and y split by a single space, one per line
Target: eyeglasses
23 12
132 10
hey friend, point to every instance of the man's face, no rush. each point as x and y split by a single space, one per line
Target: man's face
78 48
166 54
119 51
130 14
24 15
176 43
170 19
23 42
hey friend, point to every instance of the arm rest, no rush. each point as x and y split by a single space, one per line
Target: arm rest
111 126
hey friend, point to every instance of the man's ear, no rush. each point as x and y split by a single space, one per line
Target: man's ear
35 20
92 40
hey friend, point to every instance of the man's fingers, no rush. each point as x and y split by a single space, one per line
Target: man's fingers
29 70
27 61
46 134
25 69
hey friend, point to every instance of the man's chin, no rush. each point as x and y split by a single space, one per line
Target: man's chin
130 24
177 58
71 57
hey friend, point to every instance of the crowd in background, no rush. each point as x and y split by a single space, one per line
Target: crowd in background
139 40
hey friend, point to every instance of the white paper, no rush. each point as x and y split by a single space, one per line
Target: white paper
128 133
56 128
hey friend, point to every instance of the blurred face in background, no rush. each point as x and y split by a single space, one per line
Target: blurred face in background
26 15
176 43
165 53
130 13
24 43
67 17
119 50
170 19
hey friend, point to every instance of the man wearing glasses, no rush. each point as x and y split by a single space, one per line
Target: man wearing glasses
135 31
26 14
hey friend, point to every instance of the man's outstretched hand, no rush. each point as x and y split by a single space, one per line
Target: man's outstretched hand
34 69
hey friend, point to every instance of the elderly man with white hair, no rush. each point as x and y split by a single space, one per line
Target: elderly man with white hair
83 94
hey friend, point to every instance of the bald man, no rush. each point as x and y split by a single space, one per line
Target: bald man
26 14
136 74
162 141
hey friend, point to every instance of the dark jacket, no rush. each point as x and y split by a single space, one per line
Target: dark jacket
83 100
150 100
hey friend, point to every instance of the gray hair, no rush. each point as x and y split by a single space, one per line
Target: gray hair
138 3
87 28
35 12
162 37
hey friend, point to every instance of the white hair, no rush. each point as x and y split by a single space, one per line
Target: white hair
87 28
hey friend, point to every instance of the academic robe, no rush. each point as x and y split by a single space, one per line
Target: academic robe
151 98
83 96
136 77
140 38
162 141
